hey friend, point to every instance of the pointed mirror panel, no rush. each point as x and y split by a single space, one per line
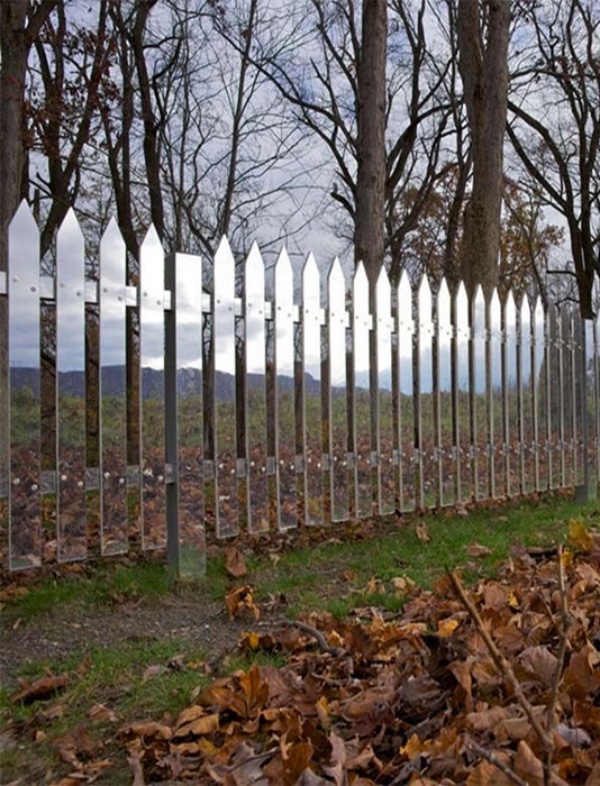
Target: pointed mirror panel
541 401
224 390
255 401
569 398
384 438
337 394
556 433
361 398
446 455
495 398
70 392
481 437
526 432
152 391
190 415
578 370
284 399
113 392
427 453
312 420
596 393
462 397
24 513
406 403
512 442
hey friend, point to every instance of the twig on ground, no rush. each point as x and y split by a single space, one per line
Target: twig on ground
324 645
498 763
503 666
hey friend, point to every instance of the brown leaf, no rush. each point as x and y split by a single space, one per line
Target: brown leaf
579 537
235 562
239 599
423 532
102 714
41 689
477 550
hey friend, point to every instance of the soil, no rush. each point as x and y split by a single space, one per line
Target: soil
198 622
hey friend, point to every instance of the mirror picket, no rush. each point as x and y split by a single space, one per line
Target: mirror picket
478 361
510 381
384 438
462 397
361 395
406 405
527 436
495 398
428 489
445 447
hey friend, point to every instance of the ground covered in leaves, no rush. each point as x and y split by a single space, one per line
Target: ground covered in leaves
414 697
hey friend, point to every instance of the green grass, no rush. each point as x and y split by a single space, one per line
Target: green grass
351 567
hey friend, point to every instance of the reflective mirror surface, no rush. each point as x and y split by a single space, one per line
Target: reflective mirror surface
255 402
361 399
312 422
495 398
526 388
428 490
70 391
25 537
406 403
152 391
481 446
284 398
569 402
190 414
386 471
512 439
113 391
337 394
541 404
224 387
462 396
443 399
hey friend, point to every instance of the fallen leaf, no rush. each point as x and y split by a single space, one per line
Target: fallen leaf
41 689
240 599
579 537
235 562
423 532
477 550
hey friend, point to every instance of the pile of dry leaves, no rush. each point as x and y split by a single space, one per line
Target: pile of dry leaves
500 687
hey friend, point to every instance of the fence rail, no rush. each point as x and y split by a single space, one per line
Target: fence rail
153 413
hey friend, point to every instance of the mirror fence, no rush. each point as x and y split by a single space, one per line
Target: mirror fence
190 406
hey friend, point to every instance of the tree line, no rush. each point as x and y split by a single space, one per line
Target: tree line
454 137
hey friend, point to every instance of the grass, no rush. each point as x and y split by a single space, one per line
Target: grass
351 567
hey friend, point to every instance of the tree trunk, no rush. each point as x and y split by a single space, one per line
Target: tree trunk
484 71
369 233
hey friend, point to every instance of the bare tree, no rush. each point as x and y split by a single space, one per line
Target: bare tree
555 126
483 36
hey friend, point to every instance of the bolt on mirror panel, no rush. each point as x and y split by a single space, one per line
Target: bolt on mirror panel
406 401
24 511
444 410
361 395
285 395
152 391
510 381
462 397
526 400
70 392
191 537
113 393
337 394
255 396
481 436
427 451
495 398
224 392
384 415
541 394
312 419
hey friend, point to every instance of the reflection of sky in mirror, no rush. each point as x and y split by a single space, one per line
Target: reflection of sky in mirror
284 309
462 337
444 338
188 298
360 299
311 330
254 293
112 287
425 337
511 341
496 341
525 324
70 311
384 337
224 310
479 340
152 316
336 286
405 339
24 310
